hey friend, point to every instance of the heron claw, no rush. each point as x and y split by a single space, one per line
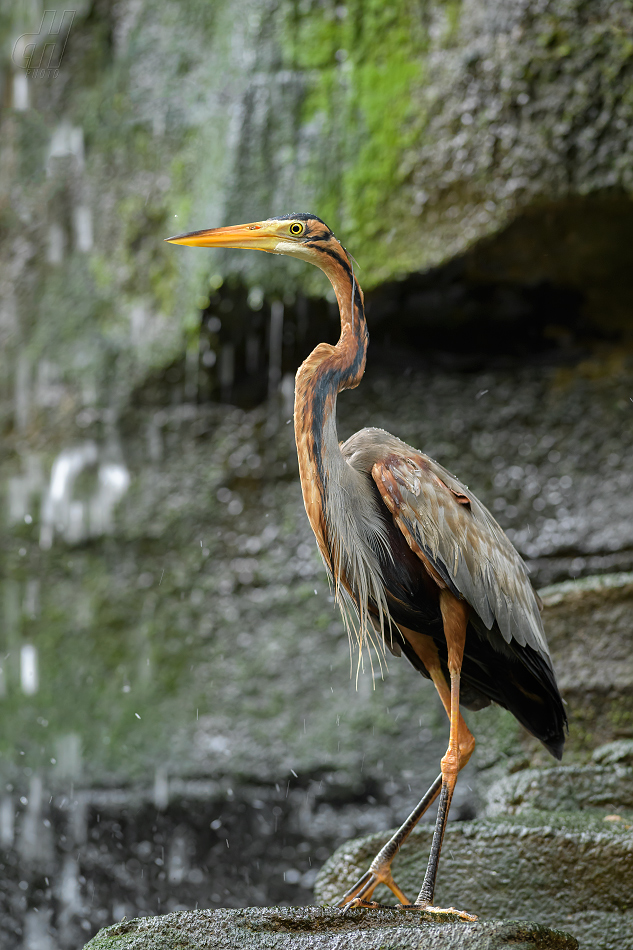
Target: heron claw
360 894
359 902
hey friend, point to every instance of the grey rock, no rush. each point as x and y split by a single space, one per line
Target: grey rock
573 871
589 627
566 788
319 928
615 753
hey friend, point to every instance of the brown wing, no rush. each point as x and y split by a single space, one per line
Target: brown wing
461 545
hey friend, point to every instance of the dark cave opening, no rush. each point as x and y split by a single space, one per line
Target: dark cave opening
553 285
440 317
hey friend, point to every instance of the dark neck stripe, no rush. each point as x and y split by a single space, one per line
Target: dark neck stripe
318 238
337 257
340 259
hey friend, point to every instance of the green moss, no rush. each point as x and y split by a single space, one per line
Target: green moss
150 263
621 719
363 67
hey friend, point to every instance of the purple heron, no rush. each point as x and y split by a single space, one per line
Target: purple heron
422 562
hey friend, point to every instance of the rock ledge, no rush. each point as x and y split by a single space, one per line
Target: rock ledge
323 928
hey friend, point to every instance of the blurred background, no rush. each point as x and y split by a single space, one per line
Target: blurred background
180 721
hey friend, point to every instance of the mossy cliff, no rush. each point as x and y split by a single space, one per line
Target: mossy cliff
415 130
165 616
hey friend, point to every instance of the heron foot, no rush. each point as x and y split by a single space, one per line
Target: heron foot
452 911
360 894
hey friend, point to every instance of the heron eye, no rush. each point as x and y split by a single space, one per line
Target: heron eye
296 228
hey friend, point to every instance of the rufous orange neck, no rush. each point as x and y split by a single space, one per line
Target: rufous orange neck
327 371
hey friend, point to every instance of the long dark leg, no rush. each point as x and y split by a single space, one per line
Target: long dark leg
460 746
380 868
379 871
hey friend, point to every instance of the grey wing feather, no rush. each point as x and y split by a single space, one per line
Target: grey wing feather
464 543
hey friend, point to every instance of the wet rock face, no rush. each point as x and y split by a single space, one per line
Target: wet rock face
416 136
522 107
606 784
194 606
318 928
590 631
571 873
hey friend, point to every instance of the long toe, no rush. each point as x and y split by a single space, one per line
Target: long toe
361 893
447 911
361 890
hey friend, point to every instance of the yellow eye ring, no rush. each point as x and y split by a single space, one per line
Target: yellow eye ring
296 228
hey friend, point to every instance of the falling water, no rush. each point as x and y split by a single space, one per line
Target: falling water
227 370
29 673
21 91
69 895
22 397
178 860
67 141
37 926
35 842
56 244
7 813
68 756
82 224
161 788
78 518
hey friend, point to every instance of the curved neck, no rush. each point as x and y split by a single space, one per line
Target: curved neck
330 369
327 371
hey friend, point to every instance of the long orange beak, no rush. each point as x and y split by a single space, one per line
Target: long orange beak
260 236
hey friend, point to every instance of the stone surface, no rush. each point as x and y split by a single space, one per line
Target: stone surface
618 753
317 928
590 632
572 871
566 788
184 615
607 784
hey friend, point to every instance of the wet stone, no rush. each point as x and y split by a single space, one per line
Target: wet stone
567 788
322 928
568 869
589 625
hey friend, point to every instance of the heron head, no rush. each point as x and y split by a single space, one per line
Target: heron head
298 235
